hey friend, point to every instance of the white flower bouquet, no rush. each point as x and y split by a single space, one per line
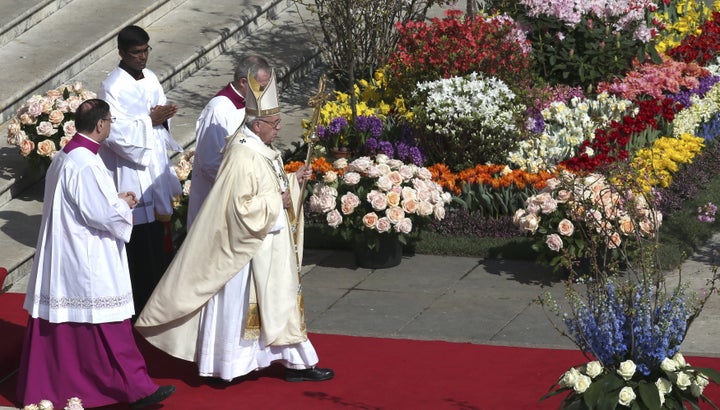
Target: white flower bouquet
73 403
670 387
376 196
45 123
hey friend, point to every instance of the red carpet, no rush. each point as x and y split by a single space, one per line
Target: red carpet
374 373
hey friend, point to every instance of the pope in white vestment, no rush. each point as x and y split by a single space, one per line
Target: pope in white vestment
231 299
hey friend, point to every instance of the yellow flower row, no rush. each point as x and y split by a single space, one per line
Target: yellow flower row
656 164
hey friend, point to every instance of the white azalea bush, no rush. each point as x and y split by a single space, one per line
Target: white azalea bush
467 120
376 196
567 125
45 123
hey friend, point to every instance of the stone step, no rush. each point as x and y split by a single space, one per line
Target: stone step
18 16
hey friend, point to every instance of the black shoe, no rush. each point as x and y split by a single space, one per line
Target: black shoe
162 393
313 374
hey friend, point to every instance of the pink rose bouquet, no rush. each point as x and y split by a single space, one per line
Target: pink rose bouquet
45 123
376 196
574 215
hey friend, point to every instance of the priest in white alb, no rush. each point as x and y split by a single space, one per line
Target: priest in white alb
221 117
79 341
231 299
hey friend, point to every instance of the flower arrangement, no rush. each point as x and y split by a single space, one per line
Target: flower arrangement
73 403
676 383
45 123
376 196
620 311
468 120
574 215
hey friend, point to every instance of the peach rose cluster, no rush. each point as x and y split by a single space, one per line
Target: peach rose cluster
44 123
379 194
569 201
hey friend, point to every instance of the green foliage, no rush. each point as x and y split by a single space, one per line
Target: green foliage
585 54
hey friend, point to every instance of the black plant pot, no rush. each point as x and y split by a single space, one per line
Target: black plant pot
387 254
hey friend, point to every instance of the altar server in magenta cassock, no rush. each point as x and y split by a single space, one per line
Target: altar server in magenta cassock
137 155
231 299
79 340
220 118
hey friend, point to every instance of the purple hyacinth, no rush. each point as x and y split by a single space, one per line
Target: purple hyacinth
337 125
386 148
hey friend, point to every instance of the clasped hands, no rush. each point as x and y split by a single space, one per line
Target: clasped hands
161 113
129 197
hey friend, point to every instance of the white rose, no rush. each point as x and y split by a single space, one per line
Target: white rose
554 242
439 212
582 383
626 370
74 403
351 178
69 128
186 187
377 200
407 171
404 226
384 224
370 220
683 380
569 378
393 198
46 148
384 183
45 405
668 365
330 177
395 214
327 203
626 396
680 360
530 223
424 173
340 163
409 193
381 158
566 228
395 178
663 385
31 407
349 202
593 369
334 219
425 208
395 163
46 128
380 169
